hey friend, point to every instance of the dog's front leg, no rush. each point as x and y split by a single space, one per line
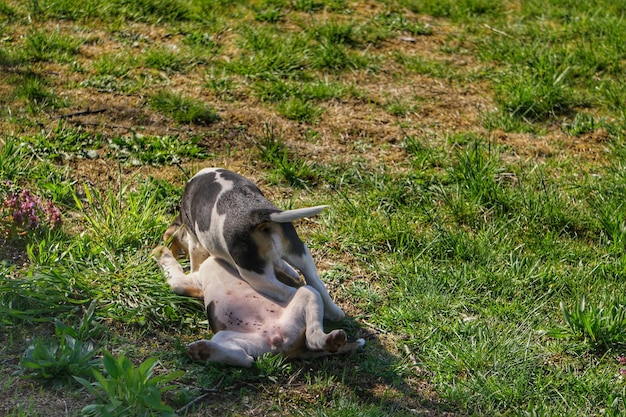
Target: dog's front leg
267 283
178 281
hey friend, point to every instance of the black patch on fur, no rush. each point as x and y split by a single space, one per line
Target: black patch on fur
239 205
214 323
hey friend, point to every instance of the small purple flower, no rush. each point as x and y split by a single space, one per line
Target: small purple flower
621 360
25 210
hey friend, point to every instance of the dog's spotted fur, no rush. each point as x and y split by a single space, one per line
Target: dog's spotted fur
226 215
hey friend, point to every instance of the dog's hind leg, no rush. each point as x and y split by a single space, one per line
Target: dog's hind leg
184 243
307 310
304 262
347 348
214 351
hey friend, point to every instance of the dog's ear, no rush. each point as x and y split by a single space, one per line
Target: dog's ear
291 215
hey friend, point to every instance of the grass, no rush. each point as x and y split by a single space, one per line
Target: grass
471 152
183 109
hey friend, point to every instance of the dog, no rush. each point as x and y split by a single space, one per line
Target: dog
247 324
225 215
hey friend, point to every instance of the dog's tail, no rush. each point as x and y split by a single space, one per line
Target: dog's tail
291 215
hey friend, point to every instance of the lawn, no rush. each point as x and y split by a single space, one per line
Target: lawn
472 153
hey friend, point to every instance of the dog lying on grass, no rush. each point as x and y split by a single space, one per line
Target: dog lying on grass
226 215
246 323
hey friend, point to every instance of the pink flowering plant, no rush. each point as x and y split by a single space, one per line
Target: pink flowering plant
622 369
22 211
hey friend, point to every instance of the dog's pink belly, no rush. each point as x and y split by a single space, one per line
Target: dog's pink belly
247 313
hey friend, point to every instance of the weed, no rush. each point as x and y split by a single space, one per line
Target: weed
127 390
111 84
70 354
21 211
65 143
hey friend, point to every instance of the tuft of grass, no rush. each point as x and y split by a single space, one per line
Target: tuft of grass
50 46
335 57
457 10
164 59
536 95
601 326
39 297
272 14
307 6
425 66
336 33
35 90
295 171
183 109
269 54
299 109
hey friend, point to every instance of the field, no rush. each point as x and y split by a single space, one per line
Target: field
472 153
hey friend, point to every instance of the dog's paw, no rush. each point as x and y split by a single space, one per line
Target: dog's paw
335 340
200 350
160 251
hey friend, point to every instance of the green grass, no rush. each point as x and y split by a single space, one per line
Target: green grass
183 109
471 152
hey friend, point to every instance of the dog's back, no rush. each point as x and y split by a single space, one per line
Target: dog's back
222 209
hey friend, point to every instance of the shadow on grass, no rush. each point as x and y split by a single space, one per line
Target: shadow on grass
368 382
